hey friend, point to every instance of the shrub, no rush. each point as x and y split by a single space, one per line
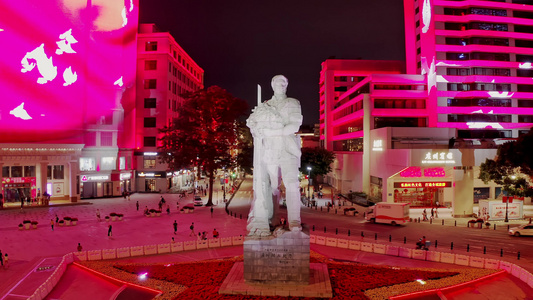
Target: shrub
26 221
152 210
120 215
61 221
74 219
67 218
113 214
34 222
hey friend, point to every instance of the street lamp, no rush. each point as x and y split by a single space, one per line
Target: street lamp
308 182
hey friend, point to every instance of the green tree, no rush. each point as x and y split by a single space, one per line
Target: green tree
514 159
319 159
204 133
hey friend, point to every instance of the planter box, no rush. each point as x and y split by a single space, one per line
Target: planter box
113 218
120 218
67 222
21 227
74 223
27 225
34 226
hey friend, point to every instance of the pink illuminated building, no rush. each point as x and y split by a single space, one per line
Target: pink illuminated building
68 97
164 72
416 131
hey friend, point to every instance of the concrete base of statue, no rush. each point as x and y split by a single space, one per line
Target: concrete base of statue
278 265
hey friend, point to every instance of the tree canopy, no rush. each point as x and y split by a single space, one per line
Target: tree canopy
318 159
204 132
514 159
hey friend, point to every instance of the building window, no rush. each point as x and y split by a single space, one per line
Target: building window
149 162
150 84
16 171
150 64
106 139
87 164
49 172
29 171
149 141
149 122
150 46
90 139
122 163
150 102
5 172
59 172
108 163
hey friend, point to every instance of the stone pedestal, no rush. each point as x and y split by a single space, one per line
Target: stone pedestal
277 259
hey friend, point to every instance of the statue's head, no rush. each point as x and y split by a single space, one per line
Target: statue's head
279 84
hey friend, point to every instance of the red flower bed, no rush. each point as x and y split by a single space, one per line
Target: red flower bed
349 280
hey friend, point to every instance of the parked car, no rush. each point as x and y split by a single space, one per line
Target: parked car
198 201
525 229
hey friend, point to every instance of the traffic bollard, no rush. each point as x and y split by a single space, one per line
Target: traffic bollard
313 227
404 240
484 249
390 238
362 234
451 247
501 252
431 221
467 247
518 255
508 227
375 236
494 226
436 243
336 230
324 229
348 232
456 223
241 216
442 221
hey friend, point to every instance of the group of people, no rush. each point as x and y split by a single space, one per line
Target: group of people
434 214
4 260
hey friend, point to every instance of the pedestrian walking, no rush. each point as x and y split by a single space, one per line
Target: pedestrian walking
432 212
168 209
98 215
192 230
137 204
175 224
110 230
79 247
215 233
129 196
178 205
57 219
424 215
52 224
211 211
6 261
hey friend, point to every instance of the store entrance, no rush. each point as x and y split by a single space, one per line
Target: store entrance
149 185
17 192
418 197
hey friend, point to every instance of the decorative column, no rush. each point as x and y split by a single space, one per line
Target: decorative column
74 190
44 177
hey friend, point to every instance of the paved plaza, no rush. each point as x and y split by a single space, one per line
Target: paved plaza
28 248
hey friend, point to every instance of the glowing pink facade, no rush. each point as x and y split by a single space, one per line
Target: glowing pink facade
68 90
477 56
467 75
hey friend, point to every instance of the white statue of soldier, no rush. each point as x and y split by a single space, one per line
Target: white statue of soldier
277 153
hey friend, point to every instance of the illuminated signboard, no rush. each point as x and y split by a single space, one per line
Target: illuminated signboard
150 153
438 158
64 65
125 176
377 145
408 185
86 178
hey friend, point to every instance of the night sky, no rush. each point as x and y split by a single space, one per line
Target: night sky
242 43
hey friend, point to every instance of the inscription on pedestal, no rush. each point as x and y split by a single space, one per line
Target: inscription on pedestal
281 259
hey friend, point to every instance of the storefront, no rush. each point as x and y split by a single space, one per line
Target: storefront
96 186
151 182
422 186
19 188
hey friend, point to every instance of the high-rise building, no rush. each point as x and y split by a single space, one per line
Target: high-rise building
164 72
477 56
417 132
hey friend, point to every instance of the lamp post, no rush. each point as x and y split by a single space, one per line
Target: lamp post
308 182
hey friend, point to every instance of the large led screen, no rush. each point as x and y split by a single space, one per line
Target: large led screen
64 65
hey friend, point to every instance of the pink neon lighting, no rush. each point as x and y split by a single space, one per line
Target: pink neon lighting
411 172
416 172
60 62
